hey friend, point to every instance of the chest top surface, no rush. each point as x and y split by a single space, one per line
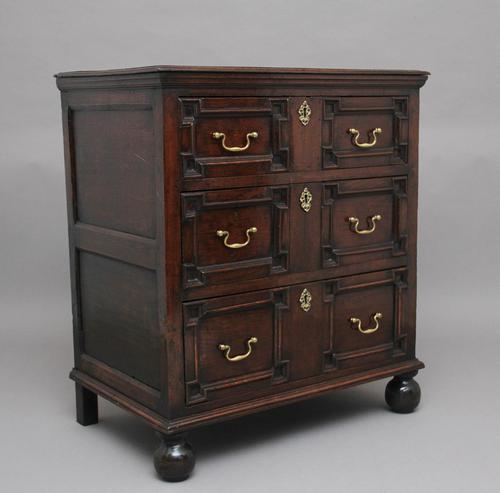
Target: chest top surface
178 75
235 69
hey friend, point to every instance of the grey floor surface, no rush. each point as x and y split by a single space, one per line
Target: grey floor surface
346 440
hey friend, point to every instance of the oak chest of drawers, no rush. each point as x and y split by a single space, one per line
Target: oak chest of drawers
240 238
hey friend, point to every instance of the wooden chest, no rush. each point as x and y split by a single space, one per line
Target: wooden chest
240 238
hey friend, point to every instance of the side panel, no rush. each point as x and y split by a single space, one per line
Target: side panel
114 170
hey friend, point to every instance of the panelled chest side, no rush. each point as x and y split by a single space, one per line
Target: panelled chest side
239 239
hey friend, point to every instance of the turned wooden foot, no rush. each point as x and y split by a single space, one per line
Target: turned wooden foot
86 406
174 458
402 393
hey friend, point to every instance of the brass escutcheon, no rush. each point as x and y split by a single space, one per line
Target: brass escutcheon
305 300
306 200
304 113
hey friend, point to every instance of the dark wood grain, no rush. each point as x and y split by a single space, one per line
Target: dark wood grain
206 258
114 177
232 321
203 155
389 114
154 289
119 316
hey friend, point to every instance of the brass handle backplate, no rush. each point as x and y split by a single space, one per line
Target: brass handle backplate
225 235
357 323
220 135
354 222
364 145
226 349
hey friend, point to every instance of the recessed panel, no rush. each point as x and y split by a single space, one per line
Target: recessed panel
363 305
233 345
119 316
233 136
234 234
114 168
365 131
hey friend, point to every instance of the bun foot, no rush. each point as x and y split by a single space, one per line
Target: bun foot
174 458
402 393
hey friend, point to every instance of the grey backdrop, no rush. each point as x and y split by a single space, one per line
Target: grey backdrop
345 441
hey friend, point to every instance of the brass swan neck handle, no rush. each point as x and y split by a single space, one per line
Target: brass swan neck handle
364 145
226 349
221 135
225 234
354 223
358 325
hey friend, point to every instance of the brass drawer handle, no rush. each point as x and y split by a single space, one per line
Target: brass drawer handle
355 133
354 222
357 322
226 349
220 135
225 235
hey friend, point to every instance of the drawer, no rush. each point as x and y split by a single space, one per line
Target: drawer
233 136
240 346
229 235
251 233
233 345
363 220
365 131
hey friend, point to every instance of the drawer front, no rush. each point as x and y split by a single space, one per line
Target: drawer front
229 235
365 131
363 220
369 319
254 344
233 136
234 345
348 323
